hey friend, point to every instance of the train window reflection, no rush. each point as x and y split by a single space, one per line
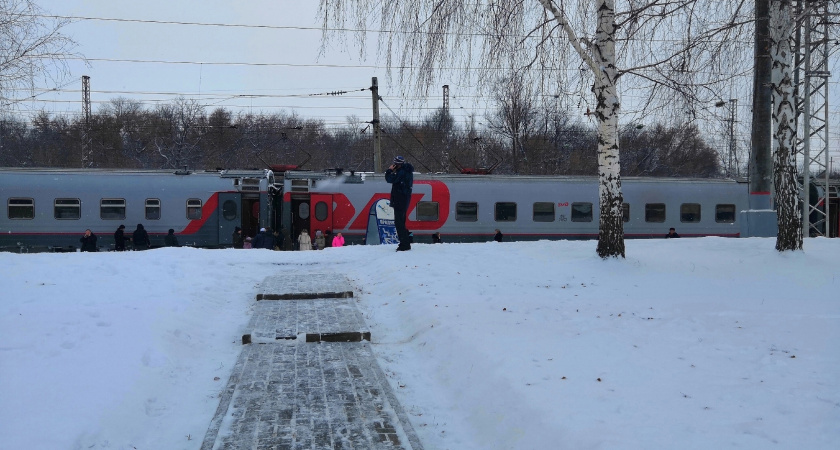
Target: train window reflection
193 209
152 209
725 213
654 212
625 212
466 212
543 212
112 208
229 210
582 212
690 212
427 211
68 208
21 208
321 211
505 212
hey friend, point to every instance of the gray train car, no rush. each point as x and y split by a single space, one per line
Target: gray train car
468 208
49 209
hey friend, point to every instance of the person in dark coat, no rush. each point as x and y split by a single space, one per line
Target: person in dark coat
119 239
89 241
140 238
672 233
238 239
499 236
268 242
328 237
436 239
278 240
259 239
171 240
401 177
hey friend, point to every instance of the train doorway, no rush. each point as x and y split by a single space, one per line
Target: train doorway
250 216
300 217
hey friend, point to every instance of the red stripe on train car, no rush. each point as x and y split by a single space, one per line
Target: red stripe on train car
206 211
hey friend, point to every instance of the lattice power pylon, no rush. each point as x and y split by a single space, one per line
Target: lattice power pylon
87 150
813 74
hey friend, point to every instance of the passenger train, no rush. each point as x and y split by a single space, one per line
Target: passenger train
49 209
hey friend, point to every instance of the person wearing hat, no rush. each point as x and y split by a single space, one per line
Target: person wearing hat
237 238
401 177
119 239
260 239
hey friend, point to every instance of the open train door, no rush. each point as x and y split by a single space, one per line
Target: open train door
320 213
230 206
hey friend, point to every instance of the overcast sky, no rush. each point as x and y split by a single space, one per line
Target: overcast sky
278 51
272 63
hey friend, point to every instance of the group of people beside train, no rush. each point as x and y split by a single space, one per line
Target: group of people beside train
277 240
139 239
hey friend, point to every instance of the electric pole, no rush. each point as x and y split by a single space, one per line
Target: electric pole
87 152
377 135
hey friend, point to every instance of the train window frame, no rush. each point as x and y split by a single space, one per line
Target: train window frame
112 208
505 211
466 211
322 211
427 211
543 215
578 215
67 205
194 208
688 217
230 210
719 213
20 208
152 205
652 212
625 212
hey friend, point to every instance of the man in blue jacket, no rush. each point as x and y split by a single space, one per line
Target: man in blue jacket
401 177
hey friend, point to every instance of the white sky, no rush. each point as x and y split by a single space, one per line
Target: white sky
704 343
292 74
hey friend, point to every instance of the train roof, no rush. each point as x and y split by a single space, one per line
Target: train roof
361 176
232 173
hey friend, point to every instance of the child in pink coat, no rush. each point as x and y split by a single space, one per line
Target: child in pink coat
338 240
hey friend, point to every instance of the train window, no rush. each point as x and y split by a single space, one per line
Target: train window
690 212
725 213
152 209
193 209
582 212
427 211
505 212
229 210
112 209
625 212
654 212
466 212
68 208
21 208
543 212
321 211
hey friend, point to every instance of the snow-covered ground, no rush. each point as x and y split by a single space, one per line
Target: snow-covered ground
687 343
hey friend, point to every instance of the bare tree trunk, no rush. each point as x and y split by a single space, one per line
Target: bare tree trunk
785 182
611 226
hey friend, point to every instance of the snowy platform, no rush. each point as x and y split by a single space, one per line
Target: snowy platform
291 392
305 286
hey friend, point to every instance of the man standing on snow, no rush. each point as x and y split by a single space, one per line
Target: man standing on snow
401 177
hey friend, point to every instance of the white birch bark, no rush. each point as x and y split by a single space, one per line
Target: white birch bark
785 182
601 61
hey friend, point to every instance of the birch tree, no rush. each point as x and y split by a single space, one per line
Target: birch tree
31 46
675 50
782 48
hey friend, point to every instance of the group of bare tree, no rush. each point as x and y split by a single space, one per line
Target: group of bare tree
123 134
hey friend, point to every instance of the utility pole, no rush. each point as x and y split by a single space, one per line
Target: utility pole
733 155
760 220
377 135
87 152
